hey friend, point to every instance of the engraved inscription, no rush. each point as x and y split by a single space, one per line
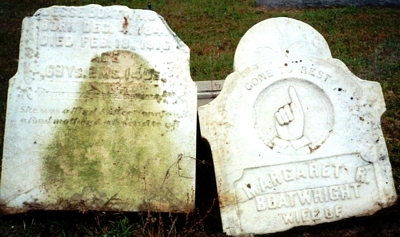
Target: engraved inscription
57 40
122 115
105 67
261 78
96 27
82 116
57 25
107 117
95 42
62 71
63 27
290 190
291 174
308 196
67 12
305 216
300 142
315 73
116 75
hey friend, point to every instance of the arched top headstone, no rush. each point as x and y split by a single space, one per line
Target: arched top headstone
278 37
295 136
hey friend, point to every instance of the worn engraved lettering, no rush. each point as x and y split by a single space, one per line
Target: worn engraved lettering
275 177
158 44
259 79
315 73
292 174
56 40
100 13
317 195
286 69
334 193
260 203
304 196
288 175
35 120
314 171
307 196
311 71
57 26
308 215
88 117
92 122
63 12
95 41
61 71
264 184
361 174
251 192
96 27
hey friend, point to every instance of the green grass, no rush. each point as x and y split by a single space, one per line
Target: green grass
366 39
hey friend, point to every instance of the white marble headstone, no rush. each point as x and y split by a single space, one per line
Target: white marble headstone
101 114
295 136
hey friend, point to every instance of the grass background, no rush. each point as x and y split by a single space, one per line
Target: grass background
366 39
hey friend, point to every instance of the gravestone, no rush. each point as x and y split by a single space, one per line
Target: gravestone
295 136
101 114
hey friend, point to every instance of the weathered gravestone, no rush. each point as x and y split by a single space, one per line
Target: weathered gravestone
295 136
101 114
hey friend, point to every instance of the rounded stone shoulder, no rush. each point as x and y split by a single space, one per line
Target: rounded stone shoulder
277 37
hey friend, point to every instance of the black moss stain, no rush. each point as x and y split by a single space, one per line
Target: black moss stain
122 157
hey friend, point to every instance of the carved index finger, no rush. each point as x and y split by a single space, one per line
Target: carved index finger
295 99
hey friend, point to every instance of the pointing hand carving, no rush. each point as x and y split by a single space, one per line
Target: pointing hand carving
289 123
289 119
